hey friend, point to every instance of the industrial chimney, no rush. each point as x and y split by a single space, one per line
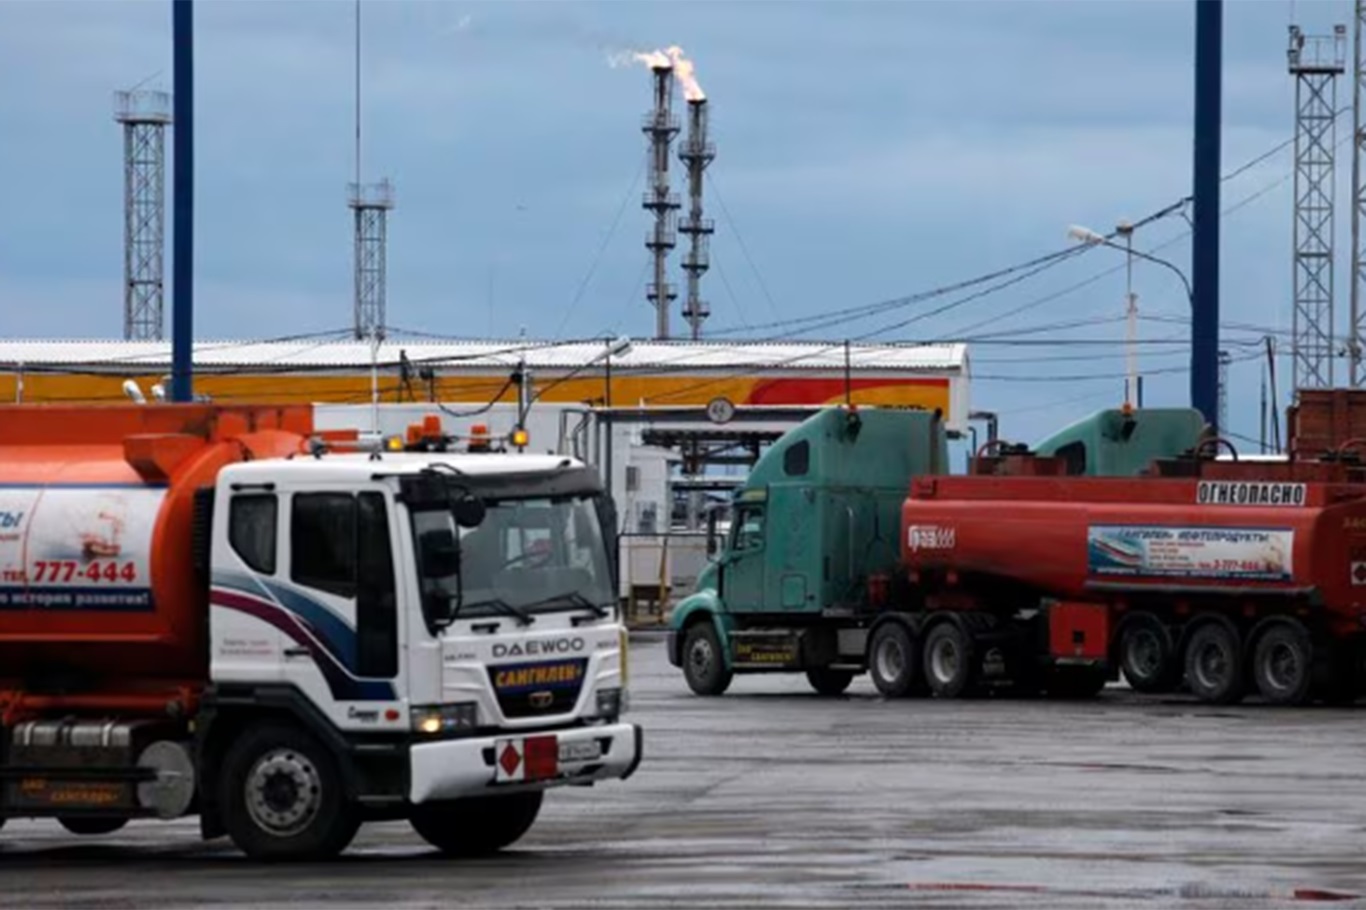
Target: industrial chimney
696 154
660 127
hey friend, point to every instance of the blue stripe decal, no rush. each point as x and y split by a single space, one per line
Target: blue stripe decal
335 634
343 686
331 640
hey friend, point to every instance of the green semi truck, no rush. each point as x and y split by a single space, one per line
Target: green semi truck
809 567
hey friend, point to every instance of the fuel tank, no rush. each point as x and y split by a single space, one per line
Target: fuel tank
1098 539
97 530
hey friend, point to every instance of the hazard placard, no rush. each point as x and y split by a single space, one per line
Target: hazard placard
520 760
1359 573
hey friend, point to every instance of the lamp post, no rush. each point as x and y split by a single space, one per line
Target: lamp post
617 347
1126 230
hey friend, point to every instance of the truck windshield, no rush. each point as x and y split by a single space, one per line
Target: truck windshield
530 555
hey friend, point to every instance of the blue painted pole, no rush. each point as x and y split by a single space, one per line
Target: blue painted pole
182 225
1209 26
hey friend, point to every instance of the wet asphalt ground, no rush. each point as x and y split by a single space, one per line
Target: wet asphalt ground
772 796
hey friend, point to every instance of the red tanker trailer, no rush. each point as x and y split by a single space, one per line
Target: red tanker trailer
1233 576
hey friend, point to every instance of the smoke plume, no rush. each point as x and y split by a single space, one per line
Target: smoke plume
669 58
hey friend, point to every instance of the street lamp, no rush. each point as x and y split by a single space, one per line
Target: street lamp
617 347
1126 230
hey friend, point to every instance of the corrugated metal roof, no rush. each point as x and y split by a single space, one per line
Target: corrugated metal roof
313 354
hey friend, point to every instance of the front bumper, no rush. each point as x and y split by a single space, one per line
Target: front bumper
456 768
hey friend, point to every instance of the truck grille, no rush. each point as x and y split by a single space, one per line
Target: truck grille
537 688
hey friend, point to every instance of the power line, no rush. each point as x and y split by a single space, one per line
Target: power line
730 292
894 303
602 249
739 238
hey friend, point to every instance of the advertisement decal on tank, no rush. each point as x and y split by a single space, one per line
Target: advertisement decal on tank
1262 554
82 548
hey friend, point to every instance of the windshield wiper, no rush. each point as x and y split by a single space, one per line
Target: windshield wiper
575 598
502 606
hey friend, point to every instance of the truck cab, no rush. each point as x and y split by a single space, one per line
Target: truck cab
813 540
451 620
1120 442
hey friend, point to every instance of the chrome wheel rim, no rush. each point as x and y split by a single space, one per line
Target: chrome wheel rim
945 660
700 658
1282 668
1143 654
1212 665
890 660
284 792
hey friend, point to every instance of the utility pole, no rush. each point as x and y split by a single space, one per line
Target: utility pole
1209 37
1126 230
1355 332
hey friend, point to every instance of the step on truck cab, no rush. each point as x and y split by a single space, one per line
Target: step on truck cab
812 548
205 612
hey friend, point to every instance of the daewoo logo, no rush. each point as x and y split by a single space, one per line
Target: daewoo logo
535 648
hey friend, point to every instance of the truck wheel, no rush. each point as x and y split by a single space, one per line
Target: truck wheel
1283 664
1075 682
78 824
827 681
1214 664
950 667
894 661
1146 655
476 826
282 796
704 666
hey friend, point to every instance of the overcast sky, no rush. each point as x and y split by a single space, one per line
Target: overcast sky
865 151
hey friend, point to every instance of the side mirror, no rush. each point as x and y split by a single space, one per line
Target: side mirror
713 542
469 512
440 554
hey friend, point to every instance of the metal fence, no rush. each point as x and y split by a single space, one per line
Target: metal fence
658 570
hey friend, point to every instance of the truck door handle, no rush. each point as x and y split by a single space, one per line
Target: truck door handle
298 652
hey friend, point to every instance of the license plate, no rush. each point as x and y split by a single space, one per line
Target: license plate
574 753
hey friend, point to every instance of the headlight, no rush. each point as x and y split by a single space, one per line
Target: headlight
436 719
609 703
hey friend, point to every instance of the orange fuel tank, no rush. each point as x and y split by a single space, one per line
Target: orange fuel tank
97 515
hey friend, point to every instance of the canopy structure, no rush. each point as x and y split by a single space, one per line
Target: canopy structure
648 374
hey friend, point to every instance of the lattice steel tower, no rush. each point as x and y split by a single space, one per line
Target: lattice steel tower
1316 62
661 126
371 203
696 153
144 116
1355 333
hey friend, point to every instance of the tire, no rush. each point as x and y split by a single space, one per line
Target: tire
1283 665
477 826
949 661
282 796
91 825
1075 682
894 661
1147 657
1214 664
829 682
704 664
